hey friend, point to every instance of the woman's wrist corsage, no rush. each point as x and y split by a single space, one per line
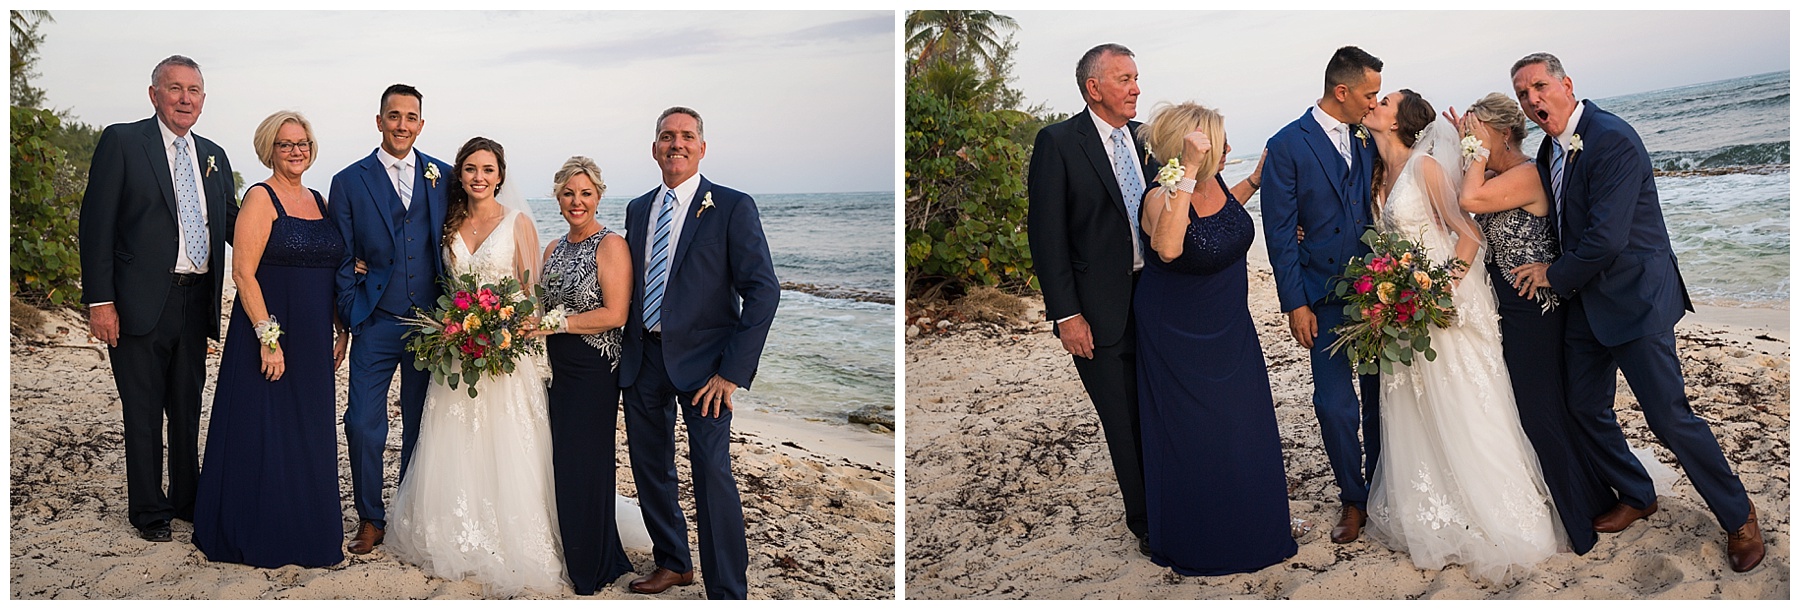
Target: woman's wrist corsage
268 333
555 321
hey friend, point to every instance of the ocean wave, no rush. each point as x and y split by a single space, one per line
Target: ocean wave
841 292
1742 157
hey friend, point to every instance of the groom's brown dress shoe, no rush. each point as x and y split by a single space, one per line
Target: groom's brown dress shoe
1745 546
367 537
1621 516
660 580
1349 525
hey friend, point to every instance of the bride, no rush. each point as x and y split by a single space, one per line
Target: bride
1457 481
478 500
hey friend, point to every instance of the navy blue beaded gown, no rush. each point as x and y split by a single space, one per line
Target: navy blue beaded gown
1213 475
268 490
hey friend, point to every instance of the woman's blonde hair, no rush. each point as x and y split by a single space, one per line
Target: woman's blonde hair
578 165
264 138
1501 113
1170 125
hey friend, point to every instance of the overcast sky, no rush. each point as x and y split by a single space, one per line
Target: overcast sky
1263 69
794 102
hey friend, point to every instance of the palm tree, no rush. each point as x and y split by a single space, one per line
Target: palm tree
25 39
953 36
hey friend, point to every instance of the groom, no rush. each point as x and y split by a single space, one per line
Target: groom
390 209
1618 274
1316 178
697 251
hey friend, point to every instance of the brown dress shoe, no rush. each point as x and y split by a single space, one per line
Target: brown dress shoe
1745 546
367 537
1621 516
1349 525
660 580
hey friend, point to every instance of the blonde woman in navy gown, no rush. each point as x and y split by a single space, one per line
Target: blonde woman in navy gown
268 493
1214 481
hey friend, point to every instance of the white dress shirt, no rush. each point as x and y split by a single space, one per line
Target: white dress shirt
396 174
1137 252
1339 132
684 193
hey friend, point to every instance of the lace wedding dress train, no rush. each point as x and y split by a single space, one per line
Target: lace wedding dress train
1457 481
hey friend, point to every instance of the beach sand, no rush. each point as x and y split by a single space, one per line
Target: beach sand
1010 493
818 502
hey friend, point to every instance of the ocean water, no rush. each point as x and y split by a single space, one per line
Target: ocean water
831 348
1721 150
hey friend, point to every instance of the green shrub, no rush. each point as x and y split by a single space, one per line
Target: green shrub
46 256
965 195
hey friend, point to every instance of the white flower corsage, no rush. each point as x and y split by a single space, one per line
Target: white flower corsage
1574 143
1362 133
210 166
705 204
1169 175
268 332
556 321
431 173
1472 149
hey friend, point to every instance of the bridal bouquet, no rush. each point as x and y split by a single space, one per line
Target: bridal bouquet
476 329
1396 294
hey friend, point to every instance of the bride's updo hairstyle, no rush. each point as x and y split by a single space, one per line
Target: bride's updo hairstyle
1412 116
1171 124
1502 114
458 209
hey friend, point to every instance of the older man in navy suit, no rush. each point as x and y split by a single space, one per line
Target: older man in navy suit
1618 274
705 296
389 206
154 222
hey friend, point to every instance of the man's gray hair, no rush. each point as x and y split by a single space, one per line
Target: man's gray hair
699 124
1551 64
172 60
1090 63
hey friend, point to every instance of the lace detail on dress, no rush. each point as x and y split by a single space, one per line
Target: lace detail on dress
571 280
1457 480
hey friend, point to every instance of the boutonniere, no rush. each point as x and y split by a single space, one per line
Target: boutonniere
431 173
1574 146
1362 133
705 204
210 166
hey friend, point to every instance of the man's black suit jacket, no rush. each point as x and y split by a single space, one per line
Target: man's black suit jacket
130 224
1081 244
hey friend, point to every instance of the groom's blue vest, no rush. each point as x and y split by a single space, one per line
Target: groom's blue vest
414 280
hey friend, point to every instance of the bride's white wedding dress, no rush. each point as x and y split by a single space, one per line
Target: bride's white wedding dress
1457 480
479 500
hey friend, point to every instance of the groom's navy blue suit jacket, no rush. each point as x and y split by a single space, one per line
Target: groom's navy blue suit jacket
1306 184
720 258
1616 254
366 210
